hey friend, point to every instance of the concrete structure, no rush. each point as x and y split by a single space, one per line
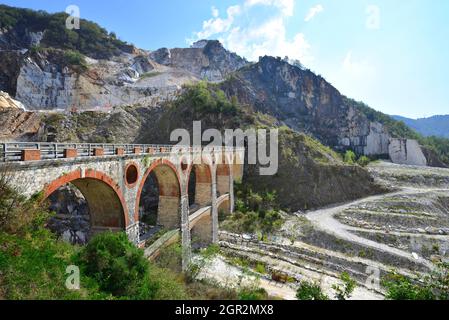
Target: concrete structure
112 179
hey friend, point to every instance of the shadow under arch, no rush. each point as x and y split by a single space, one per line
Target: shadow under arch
169 198
107 206
199 185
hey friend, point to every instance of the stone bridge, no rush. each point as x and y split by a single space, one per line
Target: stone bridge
113 178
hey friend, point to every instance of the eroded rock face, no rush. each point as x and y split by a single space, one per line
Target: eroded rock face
45 85
205 59
308 103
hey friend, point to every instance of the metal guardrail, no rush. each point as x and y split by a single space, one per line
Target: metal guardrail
13 151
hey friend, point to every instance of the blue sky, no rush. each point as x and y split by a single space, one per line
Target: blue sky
391 54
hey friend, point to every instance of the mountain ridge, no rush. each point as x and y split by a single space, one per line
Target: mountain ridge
437 125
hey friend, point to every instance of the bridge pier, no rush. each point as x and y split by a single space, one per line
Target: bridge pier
186 239
214 206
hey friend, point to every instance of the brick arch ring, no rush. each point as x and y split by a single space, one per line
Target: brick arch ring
89 174
207 178
154 165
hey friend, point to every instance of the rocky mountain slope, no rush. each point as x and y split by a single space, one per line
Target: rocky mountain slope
308 103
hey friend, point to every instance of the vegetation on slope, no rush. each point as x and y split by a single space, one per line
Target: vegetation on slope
434 286
91 39
255 213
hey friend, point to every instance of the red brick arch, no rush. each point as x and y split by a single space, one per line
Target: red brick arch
105 183
203 174
165 189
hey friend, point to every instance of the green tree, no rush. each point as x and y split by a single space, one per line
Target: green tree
310 291
363 161
350 157
344 291
118 266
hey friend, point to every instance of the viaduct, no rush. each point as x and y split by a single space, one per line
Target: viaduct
112 178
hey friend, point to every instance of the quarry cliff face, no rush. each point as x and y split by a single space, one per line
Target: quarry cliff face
205 59
308 103
44 81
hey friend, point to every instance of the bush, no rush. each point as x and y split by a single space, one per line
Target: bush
74 58
117 266
310 291
350 157
434 286
345 290
363 161
205 98
252 294
255 212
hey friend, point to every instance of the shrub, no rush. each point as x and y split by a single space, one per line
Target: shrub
19 215
255 212
363 161
350 157
260 268
345 290
434 286
310 291
252 294
205 98
117 265
74 58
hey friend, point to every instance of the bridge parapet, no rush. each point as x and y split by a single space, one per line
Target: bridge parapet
15 151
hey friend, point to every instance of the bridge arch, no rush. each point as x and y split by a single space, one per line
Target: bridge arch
165 175
199 184
107 206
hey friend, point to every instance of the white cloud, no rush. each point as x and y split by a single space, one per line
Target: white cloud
252 40
313 12
218 25
268 39
286 6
